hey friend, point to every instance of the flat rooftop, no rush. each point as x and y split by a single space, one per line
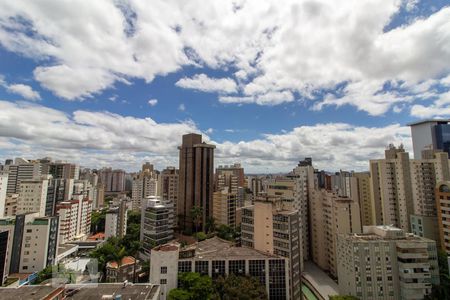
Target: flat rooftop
27 292
216 248
110 290
428 121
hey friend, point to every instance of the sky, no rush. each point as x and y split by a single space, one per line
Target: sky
117 83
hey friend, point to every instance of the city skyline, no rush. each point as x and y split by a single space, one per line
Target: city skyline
302 79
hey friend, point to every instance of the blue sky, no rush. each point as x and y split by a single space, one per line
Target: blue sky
267 83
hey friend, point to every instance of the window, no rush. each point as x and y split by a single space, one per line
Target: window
163 281
163 270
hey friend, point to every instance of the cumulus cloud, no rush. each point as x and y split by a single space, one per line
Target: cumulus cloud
24 90
274 49
204 83
97 139
152 102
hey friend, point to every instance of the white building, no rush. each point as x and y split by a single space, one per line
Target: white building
36 245
33 195
3 188
384 262
164 267
157 223
116 220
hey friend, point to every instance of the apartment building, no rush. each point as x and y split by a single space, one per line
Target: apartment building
231 177
364 197
116 220
145 184
384 262
331 215
392 193
4 268
74 219
32 242
157 223
272 226
443 214
22 169
33 195
225 204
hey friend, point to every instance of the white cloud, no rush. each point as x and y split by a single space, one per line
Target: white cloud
270 98
209 130
295 46
204 83
24 90
411 4
181 107
98 139
439 108
152 102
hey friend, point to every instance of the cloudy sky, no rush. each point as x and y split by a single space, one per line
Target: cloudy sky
269 82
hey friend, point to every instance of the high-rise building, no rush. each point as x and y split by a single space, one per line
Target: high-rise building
74 219
225 204
196 181
169 180
62 170
231 177
4 268
32 242
305 183
157 223
33 195
330 215
272 226
384 262
3 188
112 180
364 197
433 167
58 190
391 188
21 169
11 205
430 134
116 220
443 214
145 184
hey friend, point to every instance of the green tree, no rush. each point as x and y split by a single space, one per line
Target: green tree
193 286
98 221
196 214
240 288
210 225
226 232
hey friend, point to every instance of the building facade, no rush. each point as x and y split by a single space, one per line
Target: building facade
157 223
271 226
225 204
196 184
384 262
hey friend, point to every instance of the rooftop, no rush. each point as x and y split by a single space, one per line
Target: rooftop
110 290
127 260
428 121
215 248
84 291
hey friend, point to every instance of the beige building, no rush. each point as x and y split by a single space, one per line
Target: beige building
305 183
391 188
164 267
364 197
11 205
272 226
224 207
331 215
33 195
443 214
232 178
386 263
